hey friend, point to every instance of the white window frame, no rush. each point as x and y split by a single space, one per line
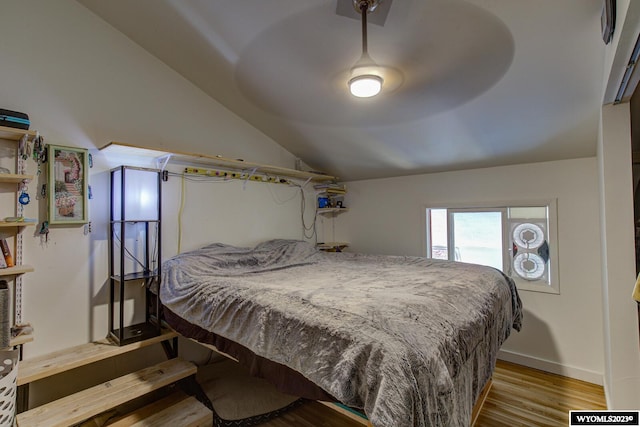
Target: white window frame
553 286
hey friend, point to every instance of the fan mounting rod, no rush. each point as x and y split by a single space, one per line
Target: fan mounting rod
364 7
366 80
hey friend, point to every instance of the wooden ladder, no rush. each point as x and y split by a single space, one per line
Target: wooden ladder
181 410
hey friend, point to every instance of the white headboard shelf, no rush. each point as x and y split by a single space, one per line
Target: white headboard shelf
124 149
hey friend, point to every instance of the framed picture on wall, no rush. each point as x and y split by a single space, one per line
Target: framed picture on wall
67 184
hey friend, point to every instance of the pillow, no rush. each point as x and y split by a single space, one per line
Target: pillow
280 253
287 244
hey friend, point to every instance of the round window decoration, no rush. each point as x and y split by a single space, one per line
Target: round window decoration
529 266
528 235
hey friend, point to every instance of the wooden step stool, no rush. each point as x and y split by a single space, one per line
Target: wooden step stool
77 407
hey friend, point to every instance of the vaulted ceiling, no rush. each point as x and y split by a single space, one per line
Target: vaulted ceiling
473 83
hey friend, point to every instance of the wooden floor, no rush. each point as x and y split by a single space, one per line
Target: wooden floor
520 396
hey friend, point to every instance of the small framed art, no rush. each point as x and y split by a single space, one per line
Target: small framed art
67 184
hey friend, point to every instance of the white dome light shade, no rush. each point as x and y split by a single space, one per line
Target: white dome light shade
365 86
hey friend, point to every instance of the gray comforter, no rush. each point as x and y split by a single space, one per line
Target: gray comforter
410 340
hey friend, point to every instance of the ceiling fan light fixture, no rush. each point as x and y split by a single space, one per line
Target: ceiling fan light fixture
365 85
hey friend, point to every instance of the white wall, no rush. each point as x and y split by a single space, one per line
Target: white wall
620 322
622 349
561 333
83 85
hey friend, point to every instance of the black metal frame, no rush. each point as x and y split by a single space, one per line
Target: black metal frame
151 327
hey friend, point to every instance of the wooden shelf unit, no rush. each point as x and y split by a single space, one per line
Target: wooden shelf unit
15 229
331 196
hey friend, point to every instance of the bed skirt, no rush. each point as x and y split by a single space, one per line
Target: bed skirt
285 379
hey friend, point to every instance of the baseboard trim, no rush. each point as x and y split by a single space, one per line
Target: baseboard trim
606 394
552 367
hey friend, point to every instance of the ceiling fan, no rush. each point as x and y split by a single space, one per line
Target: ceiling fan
366 79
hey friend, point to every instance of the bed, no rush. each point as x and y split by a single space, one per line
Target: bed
409 340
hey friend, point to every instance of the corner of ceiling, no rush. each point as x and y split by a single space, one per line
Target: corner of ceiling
619 50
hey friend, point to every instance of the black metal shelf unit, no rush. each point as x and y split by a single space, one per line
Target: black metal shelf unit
134 251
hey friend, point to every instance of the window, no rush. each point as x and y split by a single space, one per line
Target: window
518 239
